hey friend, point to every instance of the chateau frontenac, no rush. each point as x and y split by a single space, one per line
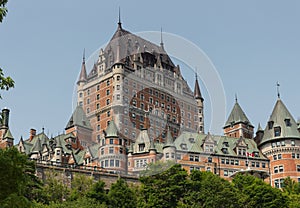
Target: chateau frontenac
135 107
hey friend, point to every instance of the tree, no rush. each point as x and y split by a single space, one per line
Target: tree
5 82
80 186
254 192
121 195
98 192
17 178
164 189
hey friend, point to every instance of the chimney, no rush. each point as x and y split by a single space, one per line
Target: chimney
32 134
5 117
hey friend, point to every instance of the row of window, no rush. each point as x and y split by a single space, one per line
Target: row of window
111 150
110 163
277 157
282 144
278 169
237 162
228 172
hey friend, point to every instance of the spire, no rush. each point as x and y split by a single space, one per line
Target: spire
111 130
236 99
278 93
119 22
161 39
169 139
197 92
83 74
259 128
8 135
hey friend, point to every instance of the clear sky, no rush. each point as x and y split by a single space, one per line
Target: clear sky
253 44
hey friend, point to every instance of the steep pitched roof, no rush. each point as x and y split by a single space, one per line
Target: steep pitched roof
8 135
169 140
279 118
197 92
37 147
83 74
111 130
237 115
79 118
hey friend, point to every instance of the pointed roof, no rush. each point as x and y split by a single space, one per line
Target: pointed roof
279 118
8 135
169 140
111 130
197 92
259 128
37 146
237 115
79 118
83 74
58 142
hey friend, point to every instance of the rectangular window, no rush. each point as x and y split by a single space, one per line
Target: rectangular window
237 162
279 156
231 162
111 163
225 172
209 159
208 169
111 141
253 164
106 163
111 150
257 164
102 151
273 145
280 168
172 155
293 155
298 168
191 169
263 165
274 157
58 152
191 158
167 155
275 169
227 161
197 158
276 183
292 142
223 161
178 156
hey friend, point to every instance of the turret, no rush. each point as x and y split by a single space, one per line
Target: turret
81 81
169 148
199 99
5 118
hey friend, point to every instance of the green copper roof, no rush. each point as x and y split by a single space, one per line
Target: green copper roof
169 140
8 135
79 118
37 146
111 130
280 118
237 115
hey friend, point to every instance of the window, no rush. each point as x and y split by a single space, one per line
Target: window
276 183
117 163
277 131
102 151
276 169
273 145
280 168
236 162
191 169
191 158
58 152
88 101
227 161
111 150
98 127
111 141
107 102
292 142
167 155
118 78
274 157
197 158
107 83
178 156
279 156
107 92
98 96
223 161
257 164
253 164
208 169
270 124
80 94
287 122
98 87
141 147
298 168
209 159
118 97
225 172
293 155
106 163
231 162
172 155
111 163
108 113
282 143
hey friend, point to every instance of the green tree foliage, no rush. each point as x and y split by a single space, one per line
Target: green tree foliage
82 202
163 190
5 82
98 192
80 186
254 192
17 179
121 195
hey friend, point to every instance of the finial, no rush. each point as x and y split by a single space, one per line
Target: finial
43 129
278 93
119 23
196 73
236 99
161 39
83 56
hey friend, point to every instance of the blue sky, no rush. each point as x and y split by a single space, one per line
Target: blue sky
253 44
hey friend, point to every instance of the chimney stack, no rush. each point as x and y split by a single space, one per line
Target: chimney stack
5 117
32 134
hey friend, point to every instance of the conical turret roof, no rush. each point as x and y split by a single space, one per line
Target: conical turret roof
197 92
169 140
8 135
79 118
83 74
111 130
282 118
237 115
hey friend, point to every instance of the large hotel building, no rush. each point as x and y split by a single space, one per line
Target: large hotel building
135 108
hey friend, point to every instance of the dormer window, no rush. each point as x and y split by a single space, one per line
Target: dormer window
183 146
277 131
270 124
224 150
287 122
141 147
192 140
209 148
